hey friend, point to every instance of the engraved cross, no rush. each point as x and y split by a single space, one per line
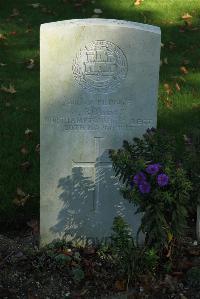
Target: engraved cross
96 165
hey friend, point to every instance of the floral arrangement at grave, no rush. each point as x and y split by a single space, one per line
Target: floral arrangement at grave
157 184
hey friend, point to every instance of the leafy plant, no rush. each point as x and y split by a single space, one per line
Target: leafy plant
151 260
191 162
157 185
78 274
127 254
62 259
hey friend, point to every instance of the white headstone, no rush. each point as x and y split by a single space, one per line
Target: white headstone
99 81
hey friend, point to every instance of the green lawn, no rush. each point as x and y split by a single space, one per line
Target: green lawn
179 91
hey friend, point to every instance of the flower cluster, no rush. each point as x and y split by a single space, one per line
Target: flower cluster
140 179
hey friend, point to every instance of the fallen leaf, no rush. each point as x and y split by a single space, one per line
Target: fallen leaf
98 11
24 150
167 88
21 198
15 12
120 285
2 36
168 103
186 16
183 70
13 33
28 132
10 89
172 45
165 60
30 64
177 87
170 236
137 2
2 64
34 5
20 192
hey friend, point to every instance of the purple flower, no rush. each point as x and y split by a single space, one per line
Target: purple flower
162 180
153 168
139 178
144 187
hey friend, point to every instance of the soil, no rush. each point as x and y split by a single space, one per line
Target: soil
29 273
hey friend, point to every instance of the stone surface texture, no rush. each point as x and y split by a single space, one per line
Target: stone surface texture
99 81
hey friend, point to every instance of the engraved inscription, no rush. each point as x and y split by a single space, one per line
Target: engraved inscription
100 67
92 123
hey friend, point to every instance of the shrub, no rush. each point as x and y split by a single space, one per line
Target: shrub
156 184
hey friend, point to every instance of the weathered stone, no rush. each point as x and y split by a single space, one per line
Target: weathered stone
99 82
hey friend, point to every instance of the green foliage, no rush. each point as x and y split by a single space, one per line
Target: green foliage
62 259
124 250
163 208
192 164
78 274
151 260
121 236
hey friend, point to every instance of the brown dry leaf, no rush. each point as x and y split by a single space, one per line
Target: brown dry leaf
30 64
168 103
10 89
24 150
28 132
21 198
167 88
2 36
177 87
15 12
183 70
186 16
137 2
120 285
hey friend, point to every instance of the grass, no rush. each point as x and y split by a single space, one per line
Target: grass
178 110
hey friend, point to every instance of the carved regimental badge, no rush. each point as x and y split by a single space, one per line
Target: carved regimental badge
100 67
